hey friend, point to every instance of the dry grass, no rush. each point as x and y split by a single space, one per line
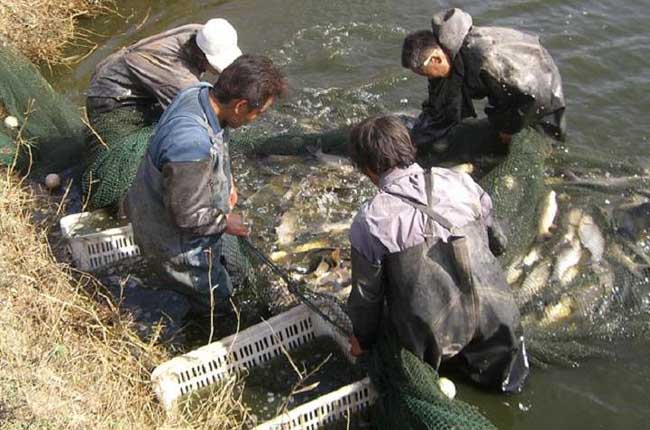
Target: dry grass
43 29
67 357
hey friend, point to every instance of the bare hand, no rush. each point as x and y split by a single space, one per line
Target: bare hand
235 225
232 199
505 138
355 347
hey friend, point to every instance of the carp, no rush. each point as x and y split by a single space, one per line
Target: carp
569 255
548 213
591 238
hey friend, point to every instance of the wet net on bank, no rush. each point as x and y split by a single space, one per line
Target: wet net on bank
50 127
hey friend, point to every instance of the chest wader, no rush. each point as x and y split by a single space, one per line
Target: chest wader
451 299
190 264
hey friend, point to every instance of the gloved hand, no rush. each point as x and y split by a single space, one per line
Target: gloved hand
497 239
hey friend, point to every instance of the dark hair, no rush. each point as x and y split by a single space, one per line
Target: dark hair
381 143
415 48
195 53
250 77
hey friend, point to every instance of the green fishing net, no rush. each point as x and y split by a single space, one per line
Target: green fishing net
52 134
113 161
516 186
410 397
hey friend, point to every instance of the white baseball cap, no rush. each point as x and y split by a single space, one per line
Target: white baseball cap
218 41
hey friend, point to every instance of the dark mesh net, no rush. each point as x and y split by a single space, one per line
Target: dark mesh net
410 397
113 162
52 125
516 186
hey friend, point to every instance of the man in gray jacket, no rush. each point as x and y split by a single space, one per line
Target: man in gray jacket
422 256
152 71
464 62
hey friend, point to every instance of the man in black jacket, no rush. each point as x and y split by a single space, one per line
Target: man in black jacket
465 63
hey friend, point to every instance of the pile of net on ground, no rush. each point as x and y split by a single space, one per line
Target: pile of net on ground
114 154
50 131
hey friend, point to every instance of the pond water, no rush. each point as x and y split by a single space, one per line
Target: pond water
343 62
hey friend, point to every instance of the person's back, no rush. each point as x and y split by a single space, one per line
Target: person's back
152 70
422 244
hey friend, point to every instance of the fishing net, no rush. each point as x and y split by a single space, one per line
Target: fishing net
585 283
252 142
112 162
516 185
410 397
51 126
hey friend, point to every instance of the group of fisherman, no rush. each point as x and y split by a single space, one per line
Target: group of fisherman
423 248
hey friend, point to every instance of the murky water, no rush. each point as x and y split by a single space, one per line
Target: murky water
342 58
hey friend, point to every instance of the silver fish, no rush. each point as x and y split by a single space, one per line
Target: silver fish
514 271
533 256
559 311
535 282
568 257
569 276
333 160
591 238
286 231
548 213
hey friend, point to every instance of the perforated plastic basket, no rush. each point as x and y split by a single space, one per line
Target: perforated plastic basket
253 347
95 250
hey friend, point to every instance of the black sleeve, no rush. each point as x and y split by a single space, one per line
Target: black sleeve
188 196
497 239
509 109
366 301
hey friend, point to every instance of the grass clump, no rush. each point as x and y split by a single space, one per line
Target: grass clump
68 358
43 29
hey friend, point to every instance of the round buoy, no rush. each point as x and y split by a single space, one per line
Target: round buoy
11 122
447 387
52 181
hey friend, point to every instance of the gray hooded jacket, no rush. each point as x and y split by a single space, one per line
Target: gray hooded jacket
150 71
509 67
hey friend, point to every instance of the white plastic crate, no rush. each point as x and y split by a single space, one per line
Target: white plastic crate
333 407
92 250
253 347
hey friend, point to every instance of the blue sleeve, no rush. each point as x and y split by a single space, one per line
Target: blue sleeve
181 139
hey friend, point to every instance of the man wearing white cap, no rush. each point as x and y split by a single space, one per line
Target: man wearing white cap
153 70
130 89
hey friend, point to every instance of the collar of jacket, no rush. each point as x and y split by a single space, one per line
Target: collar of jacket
204 100
396 173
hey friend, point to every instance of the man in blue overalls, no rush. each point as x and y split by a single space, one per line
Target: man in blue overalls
180 203
422 250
